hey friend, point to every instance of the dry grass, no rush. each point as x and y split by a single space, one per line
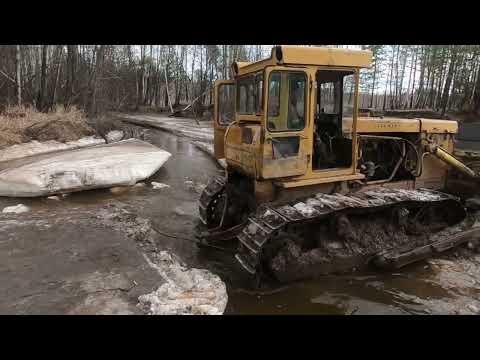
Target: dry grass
21 124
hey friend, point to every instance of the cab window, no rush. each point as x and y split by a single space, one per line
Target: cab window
259 93
274 95
226 103
296 101
287 92
246 99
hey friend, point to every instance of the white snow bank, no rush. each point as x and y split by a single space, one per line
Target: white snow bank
123 163
185 292
17 209
35 147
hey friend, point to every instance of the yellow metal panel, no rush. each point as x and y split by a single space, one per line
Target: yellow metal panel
319 56
326 56
324 180
256 66
238 154
382 125
434 172
242 64
247 117
439 126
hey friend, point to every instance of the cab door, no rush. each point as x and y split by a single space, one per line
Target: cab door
287 117
224 113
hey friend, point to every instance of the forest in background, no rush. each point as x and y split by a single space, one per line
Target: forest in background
99 78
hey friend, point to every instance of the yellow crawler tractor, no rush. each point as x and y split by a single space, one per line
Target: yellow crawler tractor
313 188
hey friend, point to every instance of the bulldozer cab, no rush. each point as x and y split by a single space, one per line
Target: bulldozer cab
304 102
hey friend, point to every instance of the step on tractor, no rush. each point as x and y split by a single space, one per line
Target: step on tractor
313 185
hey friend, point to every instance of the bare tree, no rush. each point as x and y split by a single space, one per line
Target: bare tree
43 79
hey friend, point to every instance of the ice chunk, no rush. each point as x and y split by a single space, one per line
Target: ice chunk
17 209
114 136
123 163
185 292
157 185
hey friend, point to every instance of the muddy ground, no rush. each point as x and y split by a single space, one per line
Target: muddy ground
79 254
73 259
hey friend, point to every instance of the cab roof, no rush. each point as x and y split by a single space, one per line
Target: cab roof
301 55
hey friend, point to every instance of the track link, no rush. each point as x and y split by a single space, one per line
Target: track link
269 219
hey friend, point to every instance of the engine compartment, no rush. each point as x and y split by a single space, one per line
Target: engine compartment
389 157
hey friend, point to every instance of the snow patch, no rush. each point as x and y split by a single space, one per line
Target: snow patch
185 292
157 185
114 136
304 209
179 211
17 209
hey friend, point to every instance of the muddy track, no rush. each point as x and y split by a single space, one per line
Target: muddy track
356 248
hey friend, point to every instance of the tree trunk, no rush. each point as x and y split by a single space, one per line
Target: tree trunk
391 80
396 91
414 73
140 78
448 81
167 92
97 73
400 97
373 84
71 62
476 95
43 79
421 81
385 94
57 75
18 65
429 102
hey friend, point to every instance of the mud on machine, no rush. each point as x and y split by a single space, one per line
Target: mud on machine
312 185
